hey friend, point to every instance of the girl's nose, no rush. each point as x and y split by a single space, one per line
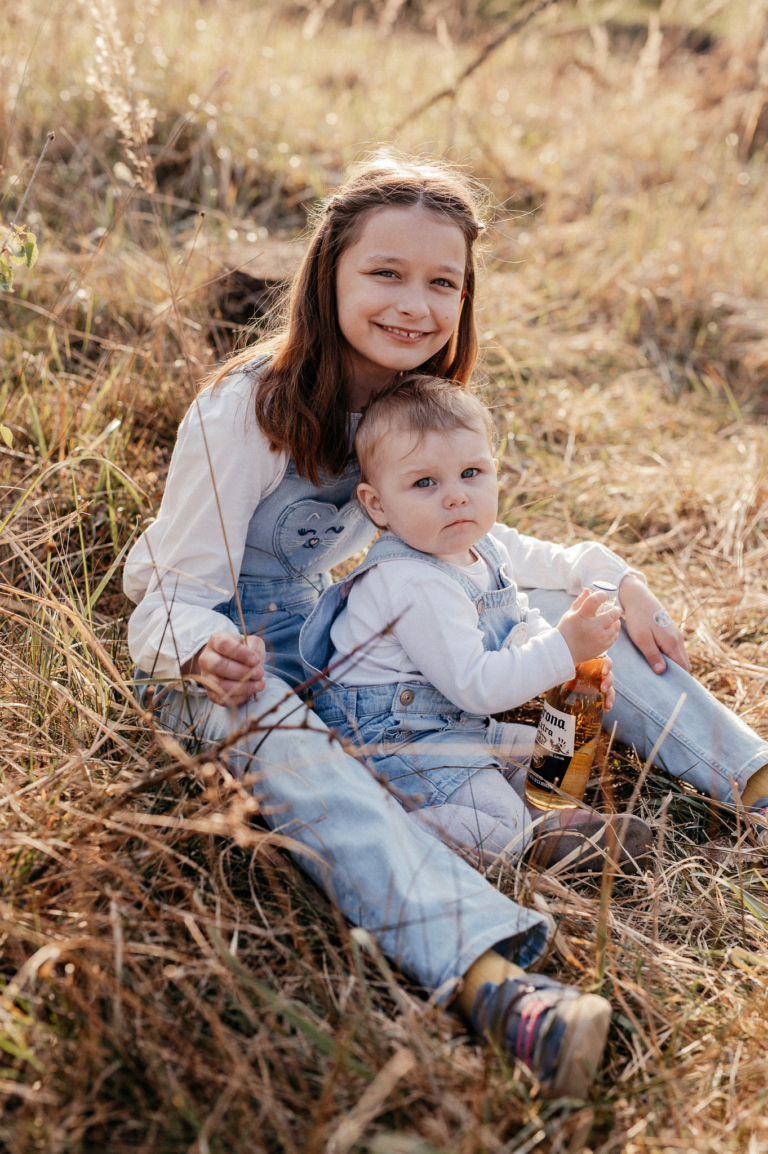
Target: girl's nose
412 301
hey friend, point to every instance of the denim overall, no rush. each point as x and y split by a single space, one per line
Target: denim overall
297 534
423 744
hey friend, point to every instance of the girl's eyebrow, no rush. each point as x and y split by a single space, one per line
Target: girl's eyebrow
383 258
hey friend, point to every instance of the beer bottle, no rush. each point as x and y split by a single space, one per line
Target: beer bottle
566 740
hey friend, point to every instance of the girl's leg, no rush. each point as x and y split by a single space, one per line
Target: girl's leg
426 907
708 746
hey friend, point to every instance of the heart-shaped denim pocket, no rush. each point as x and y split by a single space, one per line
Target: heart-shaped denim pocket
313 536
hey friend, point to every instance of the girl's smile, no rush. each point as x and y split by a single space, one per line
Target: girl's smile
398 294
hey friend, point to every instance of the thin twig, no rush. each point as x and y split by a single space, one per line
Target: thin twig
51 136
452 89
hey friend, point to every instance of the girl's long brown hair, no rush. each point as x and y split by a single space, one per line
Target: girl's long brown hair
300 395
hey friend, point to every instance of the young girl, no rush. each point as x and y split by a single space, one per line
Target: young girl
258 507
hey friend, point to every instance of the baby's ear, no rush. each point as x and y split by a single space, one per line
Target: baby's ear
369 499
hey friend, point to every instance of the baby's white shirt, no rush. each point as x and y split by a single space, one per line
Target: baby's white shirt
407 621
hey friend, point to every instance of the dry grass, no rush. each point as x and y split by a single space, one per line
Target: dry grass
172 982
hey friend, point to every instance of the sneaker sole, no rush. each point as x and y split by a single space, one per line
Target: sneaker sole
553 846
588 1019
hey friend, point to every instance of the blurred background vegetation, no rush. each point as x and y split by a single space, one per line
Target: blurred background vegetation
171 981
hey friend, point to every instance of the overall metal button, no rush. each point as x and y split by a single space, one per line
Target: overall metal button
480 606
407 696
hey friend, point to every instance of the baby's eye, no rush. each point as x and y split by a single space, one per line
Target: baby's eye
469 473
423 483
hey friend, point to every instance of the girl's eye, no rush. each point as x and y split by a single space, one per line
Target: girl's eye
469 473
387 272
444 283
423 483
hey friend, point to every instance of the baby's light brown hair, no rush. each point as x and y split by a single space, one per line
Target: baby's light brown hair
419 404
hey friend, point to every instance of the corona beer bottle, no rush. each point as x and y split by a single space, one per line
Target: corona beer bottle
566 740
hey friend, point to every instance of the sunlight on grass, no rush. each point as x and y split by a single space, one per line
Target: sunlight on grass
171 981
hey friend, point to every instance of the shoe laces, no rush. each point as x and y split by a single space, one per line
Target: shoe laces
523 1013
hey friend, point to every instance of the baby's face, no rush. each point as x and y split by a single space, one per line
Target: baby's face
438 494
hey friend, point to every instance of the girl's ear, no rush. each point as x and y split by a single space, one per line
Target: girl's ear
371 502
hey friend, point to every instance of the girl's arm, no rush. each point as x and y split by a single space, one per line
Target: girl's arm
539 564
543 565
189 559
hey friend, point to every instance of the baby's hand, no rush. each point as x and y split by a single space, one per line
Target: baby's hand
586 633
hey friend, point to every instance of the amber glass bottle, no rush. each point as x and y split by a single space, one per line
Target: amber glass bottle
568 731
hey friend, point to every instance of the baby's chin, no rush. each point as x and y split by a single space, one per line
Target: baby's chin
451 541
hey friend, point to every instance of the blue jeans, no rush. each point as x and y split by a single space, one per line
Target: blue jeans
708 746
422 744
427 908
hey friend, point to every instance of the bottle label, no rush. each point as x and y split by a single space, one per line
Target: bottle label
554 748
557 732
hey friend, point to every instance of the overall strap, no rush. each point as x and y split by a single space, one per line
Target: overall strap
315 640
390 548
491 552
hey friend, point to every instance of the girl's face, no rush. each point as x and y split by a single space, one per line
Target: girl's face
398 294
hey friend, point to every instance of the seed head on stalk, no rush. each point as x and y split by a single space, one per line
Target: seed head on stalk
114 76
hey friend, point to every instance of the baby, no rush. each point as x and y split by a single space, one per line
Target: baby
431 635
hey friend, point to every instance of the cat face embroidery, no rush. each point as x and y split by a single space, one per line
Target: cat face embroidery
312 536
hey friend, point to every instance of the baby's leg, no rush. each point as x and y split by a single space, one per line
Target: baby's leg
484 815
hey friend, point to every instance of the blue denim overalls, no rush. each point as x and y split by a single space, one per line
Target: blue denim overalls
422 743
296 535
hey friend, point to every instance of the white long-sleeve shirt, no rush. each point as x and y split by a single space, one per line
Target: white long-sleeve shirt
183 564
406 621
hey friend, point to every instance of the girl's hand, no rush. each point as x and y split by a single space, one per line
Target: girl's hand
230 668
586 634
652 639
606 685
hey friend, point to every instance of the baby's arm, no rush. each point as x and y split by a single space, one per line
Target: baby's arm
588 635
544 565
436 624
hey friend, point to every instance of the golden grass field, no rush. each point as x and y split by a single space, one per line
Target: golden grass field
171 981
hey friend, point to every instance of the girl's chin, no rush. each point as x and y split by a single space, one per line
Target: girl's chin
403 357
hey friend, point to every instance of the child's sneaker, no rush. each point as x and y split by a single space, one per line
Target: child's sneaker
565 831
758 813
557 1031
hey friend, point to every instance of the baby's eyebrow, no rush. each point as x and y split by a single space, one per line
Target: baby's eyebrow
427 470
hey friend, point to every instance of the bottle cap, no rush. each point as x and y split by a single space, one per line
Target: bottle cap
605 587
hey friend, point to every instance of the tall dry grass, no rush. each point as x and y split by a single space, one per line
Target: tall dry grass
172 981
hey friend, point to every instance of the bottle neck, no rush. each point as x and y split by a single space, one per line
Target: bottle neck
589 674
